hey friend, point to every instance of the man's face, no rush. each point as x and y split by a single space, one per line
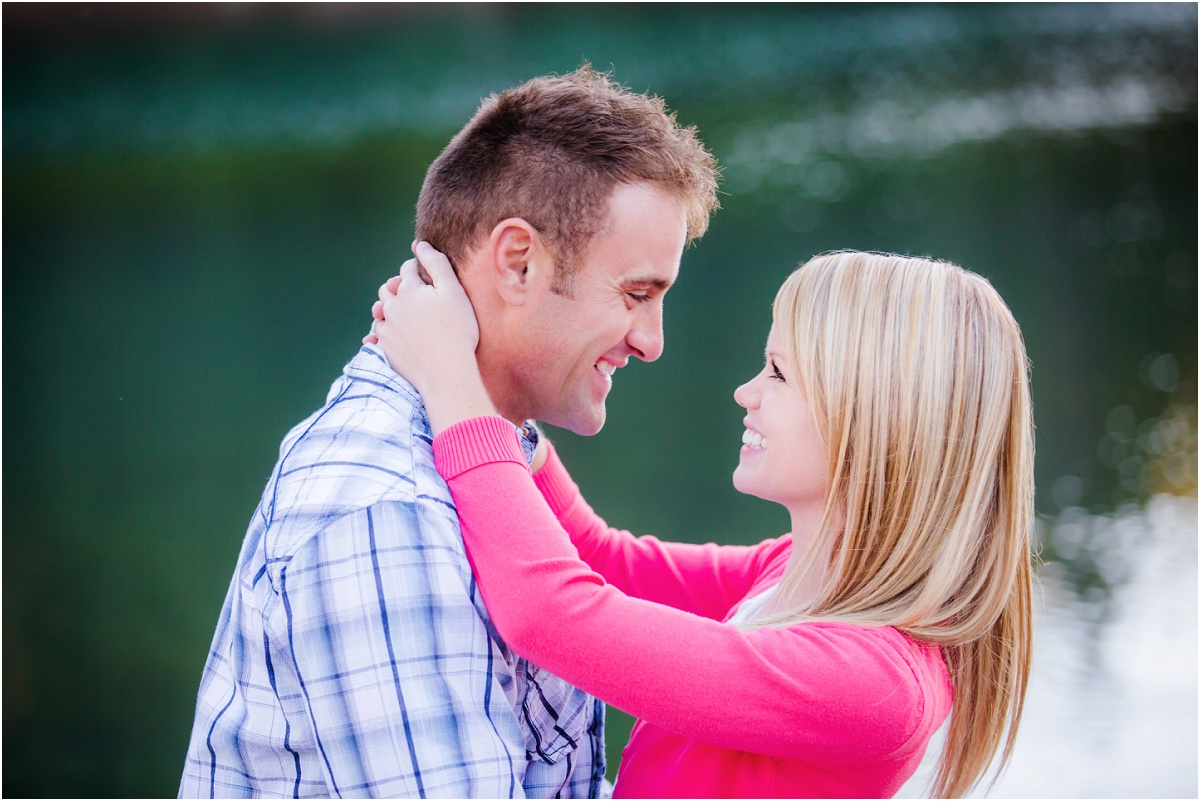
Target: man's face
576 342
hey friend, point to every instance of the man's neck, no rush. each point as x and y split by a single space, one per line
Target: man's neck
494 353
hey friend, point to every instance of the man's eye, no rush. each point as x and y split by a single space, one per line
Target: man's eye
640 297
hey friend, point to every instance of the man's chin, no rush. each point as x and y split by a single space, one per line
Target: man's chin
585 425
589 431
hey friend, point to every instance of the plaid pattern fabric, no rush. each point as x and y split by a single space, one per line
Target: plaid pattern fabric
354 655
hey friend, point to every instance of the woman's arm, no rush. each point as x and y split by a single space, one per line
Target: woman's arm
706 580
813 691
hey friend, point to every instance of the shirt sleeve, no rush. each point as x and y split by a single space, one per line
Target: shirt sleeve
398 675
830 692
706 580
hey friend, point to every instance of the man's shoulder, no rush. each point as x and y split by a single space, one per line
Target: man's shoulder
368 445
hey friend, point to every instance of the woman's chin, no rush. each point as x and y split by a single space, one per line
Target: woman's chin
742 482
748 482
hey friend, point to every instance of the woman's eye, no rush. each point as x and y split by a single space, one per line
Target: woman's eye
778 376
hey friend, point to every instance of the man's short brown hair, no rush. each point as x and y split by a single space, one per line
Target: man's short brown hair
551 151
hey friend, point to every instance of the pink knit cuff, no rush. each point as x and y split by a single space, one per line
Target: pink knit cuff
474 442
554 482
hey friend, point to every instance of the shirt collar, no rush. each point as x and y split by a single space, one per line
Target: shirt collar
370 364
528 434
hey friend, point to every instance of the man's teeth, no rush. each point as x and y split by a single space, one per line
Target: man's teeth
607 368
754 440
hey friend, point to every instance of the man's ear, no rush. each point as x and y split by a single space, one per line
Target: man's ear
519 261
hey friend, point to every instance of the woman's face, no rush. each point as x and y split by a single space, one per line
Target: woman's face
783 458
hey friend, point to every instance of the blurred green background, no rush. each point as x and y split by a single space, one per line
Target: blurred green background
199 202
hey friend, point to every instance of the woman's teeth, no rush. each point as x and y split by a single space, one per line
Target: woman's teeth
754 440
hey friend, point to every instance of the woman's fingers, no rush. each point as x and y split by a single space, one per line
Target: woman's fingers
390 287
432 270
412 275
409 277
436 265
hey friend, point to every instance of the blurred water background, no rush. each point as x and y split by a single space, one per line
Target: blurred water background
199 202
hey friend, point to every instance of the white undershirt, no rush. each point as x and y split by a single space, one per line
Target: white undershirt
752 606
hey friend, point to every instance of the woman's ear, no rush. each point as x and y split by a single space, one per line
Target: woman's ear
518 261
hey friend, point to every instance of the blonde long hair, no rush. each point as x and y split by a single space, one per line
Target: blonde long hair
916 374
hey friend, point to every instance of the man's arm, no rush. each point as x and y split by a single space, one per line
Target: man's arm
400 680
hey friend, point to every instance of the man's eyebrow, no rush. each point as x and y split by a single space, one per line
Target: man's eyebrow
646 283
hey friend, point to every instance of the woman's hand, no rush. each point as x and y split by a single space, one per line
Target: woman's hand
429 333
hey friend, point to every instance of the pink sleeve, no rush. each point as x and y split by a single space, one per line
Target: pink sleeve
813 691
707 580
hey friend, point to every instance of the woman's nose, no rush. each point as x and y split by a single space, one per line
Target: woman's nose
745 396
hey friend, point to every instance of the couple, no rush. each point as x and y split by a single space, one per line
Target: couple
356 655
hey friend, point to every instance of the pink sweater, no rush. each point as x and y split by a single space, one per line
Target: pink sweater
814 710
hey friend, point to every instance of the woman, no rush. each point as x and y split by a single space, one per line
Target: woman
892 419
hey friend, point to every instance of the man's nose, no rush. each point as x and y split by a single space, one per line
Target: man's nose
646 336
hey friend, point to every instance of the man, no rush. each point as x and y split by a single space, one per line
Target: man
354 655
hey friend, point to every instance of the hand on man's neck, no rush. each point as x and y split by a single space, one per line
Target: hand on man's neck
492 354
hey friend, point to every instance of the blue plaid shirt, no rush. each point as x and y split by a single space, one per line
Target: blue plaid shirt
354 655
